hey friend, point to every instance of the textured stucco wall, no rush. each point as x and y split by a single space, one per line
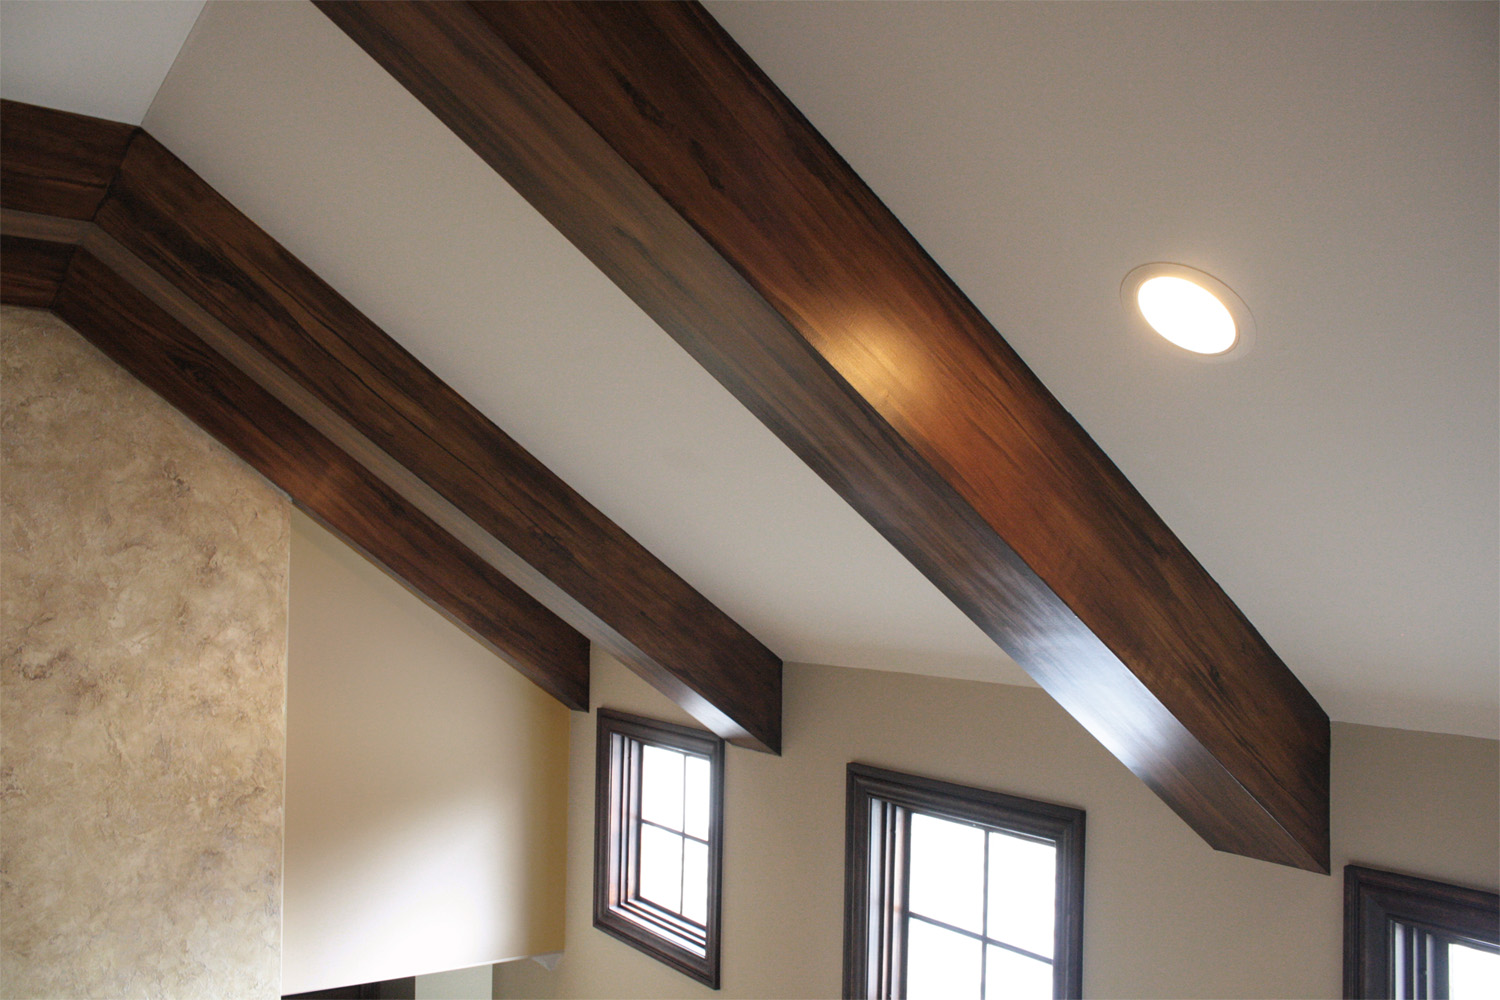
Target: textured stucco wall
143 632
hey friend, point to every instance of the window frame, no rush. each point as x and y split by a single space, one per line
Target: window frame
618 911
875 832
1375 899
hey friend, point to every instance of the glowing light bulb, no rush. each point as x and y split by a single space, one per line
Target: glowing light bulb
1187 314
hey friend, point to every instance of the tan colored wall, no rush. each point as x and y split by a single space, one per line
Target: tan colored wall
1165 916
462 984
426 786
143 572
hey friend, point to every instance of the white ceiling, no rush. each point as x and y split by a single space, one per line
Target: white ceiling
103 58
1335 164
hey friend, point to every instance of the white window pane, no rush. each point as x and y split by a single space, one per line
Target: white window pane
1472 974
940 965
1023 887
661 868
1009 976
697 794
947 872
661 786
695 881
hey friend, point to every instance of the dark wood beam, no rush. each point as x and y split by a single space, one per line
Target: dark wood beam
319 477
56 163
650 140
31 270
205 259
567 553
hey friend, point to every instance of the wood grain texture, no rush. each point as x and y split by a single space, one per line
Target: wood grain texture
666 156
30 270
56 163
322 479
568 554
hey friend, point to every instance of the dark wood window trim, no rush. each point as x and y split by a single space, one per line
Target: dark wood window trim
878 809
619 910
1375 902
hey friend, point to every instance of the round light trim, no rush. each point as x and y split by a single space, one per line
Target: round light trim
1191 309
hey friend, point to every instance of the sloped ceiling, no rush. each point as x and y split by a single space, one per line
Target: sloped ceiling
103 59
1334 164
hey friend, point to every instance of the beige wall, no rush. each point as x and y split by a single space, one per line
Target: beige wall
143 575
426 786
143 572
459 984
1165 916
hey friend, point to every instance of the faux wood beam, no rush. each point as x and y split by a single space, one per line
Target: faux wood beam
31 270
650 140
57 163
568 553
208 257
323 480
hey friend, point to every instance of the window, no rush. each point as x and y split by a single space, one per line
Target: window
659 811
954 892
1408 938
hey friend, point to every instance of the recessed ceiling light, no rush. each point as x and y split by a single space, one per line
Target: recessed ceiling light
1194 310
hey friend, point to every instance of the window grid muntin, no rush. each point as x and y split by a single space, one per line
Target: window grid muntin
875 919
637 761
984 939
679 833
690 947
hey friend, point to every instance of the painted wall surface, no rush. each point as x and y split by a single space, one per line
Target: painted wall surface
143 580
1165 916
426 786
456 984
